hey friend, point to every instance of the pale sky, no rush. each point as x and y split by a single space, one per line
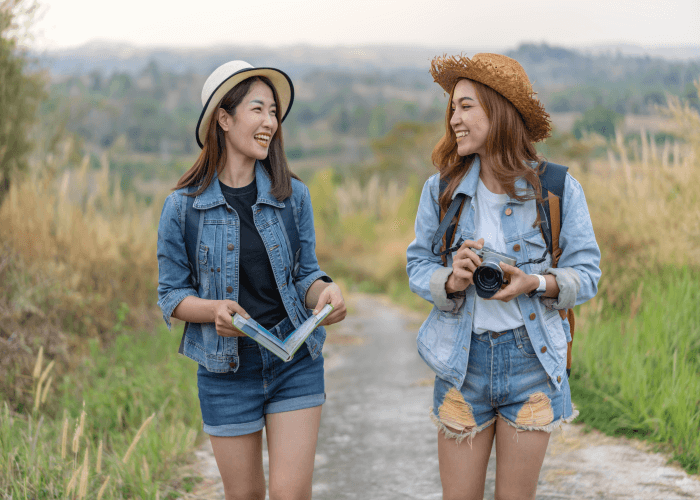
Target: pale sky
450 23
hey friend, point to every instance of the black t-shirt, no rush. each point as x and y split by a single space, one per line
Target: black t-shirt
257 289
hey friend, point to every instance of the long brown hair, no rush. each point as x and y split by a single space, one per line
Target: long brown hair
213 156
508 146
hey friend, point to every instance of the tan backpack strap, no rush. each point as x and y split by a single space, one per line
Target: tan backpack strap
555 214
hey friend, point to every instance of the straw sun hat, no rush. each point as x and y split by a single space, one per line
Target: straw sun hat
502 74
230 74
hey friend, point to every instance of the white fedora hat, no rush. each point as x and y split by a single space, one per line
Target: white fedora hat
230 74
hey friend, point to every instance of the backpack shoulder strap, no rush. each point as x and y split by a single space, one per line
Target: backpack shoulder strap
552 179
191 225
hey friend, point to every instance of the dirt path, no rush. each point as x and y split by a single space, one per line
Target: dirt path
376 440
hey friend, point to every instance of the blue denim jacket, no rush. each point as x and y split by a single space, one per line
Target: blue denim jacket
218 261
445 336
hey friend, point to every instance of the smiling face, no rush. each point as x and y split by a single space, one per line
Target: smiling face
252 125
469 121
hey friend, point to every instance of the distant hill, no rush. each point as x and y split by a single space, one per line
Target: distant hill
108 57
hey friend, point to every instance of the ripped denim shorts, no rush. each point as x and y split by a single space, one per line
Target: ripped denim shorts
504 379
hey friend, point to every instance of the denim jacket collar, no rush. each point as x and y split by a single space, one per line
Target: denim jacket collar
470 181
212 195
264 186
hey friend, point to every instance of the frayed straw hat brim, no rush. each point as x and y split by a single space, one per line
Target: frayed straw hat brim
504 75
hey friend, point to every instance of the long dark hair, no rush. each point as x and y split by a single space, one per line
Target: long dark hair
213 156
508 146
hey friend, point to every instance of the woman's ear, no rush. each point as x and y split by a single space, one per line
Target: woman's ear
224 119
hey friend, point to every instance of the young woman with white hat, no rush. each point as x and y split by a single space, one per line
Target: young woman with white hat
243 264
500 361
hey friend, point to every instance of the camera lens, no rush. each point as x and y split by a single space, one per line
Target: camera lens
488 279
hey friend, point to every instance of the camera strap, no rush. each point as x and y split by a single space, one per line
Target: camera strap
443 228
552 178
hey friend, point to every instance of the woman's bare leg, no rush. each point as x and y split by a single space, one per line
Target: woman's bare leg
240 464
463 467
519 457
291 443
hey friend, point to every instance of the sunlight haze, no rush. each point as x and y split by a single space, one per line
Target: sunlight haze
497 25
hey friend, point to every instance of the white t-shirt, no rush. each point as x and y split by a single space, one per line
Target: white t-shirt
493 315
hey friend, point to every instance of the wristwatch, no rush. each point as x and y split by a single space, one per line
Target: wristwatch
537 292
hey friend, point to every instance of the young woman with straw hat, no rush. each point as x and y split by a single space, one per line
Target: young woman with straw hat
232 199
500 361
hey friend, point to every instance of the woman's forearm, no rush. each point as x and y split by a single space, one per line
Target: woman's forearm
195 310
552 286
314 292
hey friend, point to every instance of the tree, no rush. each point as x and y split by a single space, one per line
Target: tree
599 120
20 93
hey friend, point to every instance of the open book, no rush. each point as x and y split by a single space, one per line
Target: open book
283 349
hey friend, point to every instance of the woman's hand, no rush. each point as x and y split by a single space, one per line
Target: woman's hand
464 263
520 282
223 318
332 295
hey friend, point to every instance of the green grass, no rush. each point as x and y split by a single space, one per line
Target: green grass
140 375
639 375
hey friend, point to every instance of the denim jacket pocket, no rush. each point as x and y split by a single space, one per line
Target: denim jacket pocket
555 329
439 334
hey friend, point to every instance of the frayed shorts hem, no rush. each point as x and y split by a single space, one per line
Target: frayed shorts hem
546 428
460 436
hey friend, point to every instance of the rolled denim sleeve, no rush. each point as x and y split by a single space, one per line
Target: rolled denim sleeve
569 284
309 270
426 274
578 269
174 274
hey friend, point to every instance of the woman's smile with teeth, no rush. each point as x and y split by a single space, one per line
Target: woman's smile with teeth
262 139
462 134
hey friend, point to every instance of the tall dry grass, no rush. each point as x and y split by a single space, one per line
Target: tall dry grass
645 205
78 260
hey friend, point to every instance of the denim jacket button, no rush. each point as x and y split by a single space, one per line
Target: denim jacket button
533 316
229 289
232 364
544 349
508 211
516 248
229 209
230 246
559 379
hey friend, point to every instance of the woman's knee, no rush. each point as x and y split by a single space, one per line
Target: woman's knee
238 493
282 492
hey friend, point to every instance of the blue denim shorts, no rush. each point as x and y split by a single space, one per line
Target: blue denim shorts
235 403
504 379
